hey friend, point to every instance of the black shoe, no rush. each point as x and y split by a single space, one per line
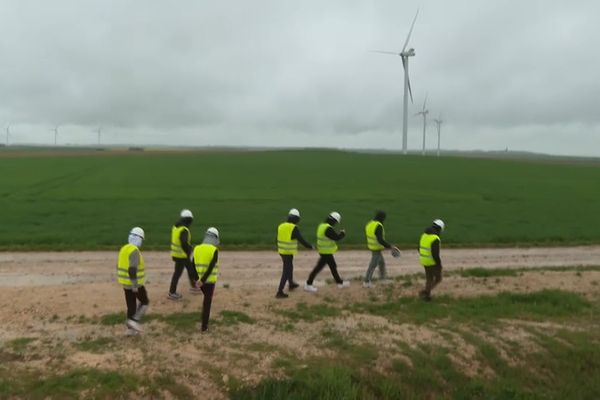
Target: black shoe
281 295
294 285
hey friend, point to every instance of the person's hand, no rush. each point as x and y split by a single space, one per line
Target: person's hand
134 289
198 284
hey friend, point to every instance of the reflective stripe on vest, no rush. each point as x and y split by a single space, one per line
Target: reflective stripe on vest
372 242
123 266
285 243
176 249
425 256
203 255
324 244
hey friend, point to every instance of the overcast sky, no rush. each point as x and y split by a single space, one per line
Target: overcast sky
515 73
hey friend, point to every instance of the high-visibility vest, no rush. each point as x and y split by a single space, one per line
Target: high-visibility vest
176 249
203 255
285 244
123 266
324 244
425 256
372 242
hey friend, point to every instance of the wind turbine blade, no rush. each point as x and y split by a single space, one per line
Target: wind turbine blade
385 52
425 102
410 32
409 88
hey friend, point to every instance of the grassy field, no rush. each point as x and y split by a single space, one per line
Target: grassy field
90 202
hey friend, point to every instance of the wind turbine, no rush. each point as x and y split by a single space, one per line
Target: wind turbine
405 54
55 130
7 133
438 121
99 132
424 113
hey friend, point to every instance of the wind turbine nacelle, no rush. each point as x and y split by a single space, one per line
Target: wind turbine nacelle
411 52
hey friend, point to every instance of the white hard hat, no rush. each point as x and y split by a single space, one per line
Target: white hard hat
138 232
212 231
186 214
336 215
439 223
294 212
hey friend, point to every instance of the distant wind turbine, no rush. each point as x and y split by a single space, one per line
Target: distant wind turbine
7 133
438 121
99 132
405 54
55 130
424 113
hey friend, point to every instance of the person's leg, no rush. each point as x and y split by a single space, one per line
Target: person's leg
382 270
437 276
333 268
429 277
371 268
142 296
320 264
286 273
192 273
208 289
179 266
131 303
291 284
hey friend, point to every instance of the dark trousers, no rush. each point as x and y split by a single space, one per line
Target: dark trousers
433 276
180 264
287 275
131 299
208 289
325 259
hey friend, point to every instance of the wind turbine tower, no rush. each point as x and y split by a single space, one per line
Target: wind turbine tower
405 54
99 132
55 130
438 121
7 134
424 113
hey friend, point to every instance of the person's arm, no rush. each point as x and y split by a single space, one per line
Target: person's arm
210 268
298 236
185 245
333 235
134 261
435 252
380 239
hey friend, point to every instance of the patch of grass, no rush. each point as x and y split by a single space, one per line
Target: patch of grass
19 345
109 319
184 322
488 272
229 317
351 352
540 305
310 313
98 345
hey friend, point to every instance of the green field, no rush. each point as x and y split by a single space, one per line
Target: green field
90 202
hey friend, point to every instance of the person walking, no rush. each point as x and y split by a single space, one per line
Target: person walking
288 236
206 260
376 242
327 239
429 256
181 253
131 274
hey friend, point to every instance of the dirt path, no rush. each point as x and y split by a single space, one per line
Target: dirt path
262 268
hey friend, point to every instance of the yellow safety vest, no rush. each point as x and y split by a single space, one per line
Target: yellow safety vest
324 244
372 242
123 266
425 249
176 249
203 255
285 244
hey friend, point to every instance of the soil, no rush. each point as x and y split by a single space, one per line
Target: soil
51 297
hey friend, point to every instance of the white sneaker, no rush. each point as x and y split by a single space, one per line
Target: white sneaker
367 285
344 284
310 288
131 324
131 332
